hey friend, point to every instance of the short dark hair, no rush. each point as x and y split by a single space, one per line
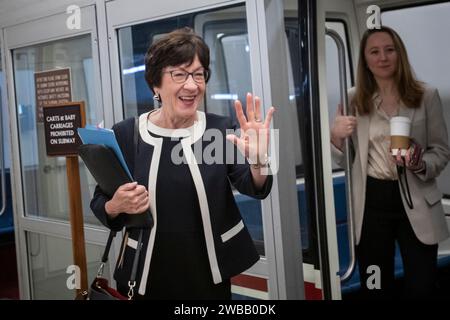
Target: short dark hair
177 47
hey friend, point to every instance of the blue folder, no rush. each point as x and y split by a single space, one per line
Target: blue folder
94 135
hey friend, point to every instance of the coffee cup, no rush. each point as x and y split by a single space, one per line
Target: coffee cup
400 131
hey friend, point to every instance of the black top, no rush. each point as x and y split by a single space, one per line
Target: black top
179 267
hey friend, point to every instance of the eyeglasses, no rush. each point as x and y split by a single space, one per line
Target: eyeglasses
180 76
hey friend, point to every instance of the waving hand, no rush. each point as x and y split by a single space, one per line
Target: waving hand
254 138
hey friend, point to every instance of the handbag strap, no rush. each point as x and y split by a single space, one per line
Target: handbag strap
105 255
401 171
136 135
112 234
132 282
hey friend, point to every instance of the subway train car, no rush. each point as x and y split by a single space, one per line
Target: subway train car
297 55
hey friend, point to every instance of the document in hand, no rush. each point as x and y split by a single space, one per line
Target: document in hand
104 159
94 135
104 166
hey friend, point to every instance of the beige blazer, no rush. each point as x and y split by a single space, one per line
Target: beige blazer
429 130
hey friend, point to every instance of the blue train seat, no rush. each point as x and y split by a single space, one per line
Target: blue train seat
6 219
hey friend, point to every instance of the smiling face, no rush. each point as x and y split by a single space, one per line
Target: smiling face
181 100
381 55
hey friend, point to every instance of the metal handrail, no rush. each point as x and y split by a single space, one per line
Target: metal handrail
348 181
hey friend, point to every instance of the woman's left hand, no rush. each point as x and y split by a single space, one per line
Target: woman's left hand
254 138
413 157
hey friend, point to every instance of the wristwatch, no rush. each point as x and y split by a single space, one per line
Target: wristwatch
263 164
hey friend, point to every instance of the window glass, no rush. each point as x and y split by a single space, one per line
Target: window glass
49 275
45 178
230 65
134 41
4 117
295 89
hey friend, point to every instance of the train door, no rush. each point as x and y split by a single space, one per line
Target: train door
239 37
336 33
41 213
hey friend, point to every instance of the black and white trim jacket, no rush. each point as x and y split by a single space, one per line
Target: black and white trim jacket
230 248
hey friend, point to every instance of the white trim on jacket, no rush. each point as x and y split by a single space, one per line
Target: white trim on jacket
191 135
232 232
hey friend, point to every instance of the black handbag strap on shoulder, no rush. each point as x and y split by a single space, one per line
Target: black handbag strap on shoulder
136 135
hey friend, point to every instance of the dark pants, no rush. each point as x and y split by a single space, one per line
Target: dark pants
385 221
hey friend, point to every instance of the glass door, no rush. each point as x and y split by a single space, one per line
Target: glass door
43 233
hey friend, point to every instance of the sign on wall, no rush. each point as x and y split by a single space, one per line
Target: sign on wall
53 87
60 125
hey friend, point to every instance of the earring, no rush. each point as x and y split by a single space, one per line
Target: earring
157 100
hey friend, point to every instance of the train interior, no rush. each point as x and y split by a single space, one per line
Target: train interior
256 46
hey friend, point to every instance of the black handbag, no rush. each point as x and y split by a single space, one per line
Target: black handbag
100 289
